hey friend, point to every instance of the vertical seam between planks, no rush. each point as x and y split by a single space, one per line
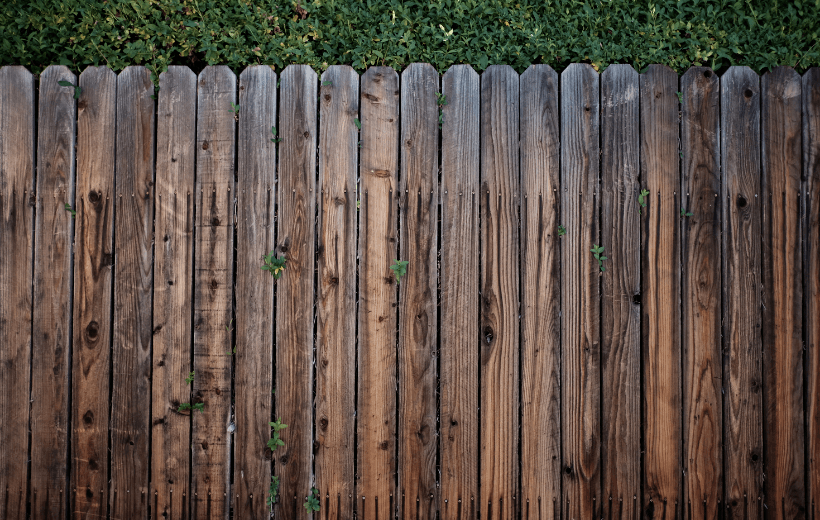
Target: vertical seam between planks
155 106
400 216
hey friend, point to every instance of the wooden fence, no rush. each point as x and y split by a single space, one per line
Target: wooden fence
509 374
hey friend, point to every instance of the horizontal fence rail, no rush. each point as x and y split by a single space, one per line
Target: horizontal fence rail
504 296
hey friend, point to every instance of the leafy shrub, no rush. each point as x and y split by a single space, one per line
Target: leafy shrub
716 33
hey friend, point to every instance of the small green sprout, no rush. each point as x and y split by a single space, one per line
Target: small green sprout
327 83
274 264
562 231
358 123
684 213
273 491
441 100
642 199
680 97
235 110
277 426
70 210
598 254
77 89
275 138
200 407
399 269
190 378
312 503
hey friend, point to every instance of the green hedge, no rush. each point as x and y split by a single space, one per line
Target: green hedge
761 34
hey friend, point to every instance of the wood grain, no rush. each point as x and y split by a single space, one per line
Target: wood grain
700 294
93 249
781 128
418 316
580 275
173 292
336 316
458 440
17 235
740 162
540 294
660 258
811 277
500 356
621 309
294 297
253 376
133 284
213 291
51 340
378 226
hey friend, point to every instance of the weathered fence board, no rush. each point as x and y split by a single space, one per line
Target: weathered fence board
296 231
540 294
458 372
701 210
255 210
378 226
740 156
660 259
336 292
17 235
213 292
782 278
620 309
173 292
51 340
92 328
418 291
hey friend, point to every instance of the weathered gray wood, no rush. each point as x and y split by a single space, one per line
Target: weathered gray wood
17 235
378 226
133 284
700 294
54 232
336 316
213 291
580 275
540 293
660 259
621 310
459 294
740 162
418 314
294 296
811 277
173 292
92 329
781 128
253 376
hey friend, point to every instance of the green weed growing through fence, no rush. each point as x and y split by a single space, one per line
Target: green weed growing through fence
312 503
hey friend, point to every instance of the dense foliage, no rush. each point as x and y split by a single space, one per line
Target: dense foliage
716 33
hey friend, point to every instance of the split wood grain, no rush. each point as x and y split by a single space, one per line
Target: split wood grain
213 292
781 138
93 261
133 290
458 440
51 341
740 162
336 305
16 234
173 292
294 296
621 309
418 293
580 282
701 294
378 227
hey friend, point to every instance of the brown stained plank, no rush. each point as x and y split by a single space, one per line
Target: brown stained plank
500 200
133 284
740 163
93 260
294 296
253 377
660 262
459 294
811 278
540 293
418 293
781 127
378 226
54 232
621 310
173 292
336 293
700 294
213 291
17 235
580 276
